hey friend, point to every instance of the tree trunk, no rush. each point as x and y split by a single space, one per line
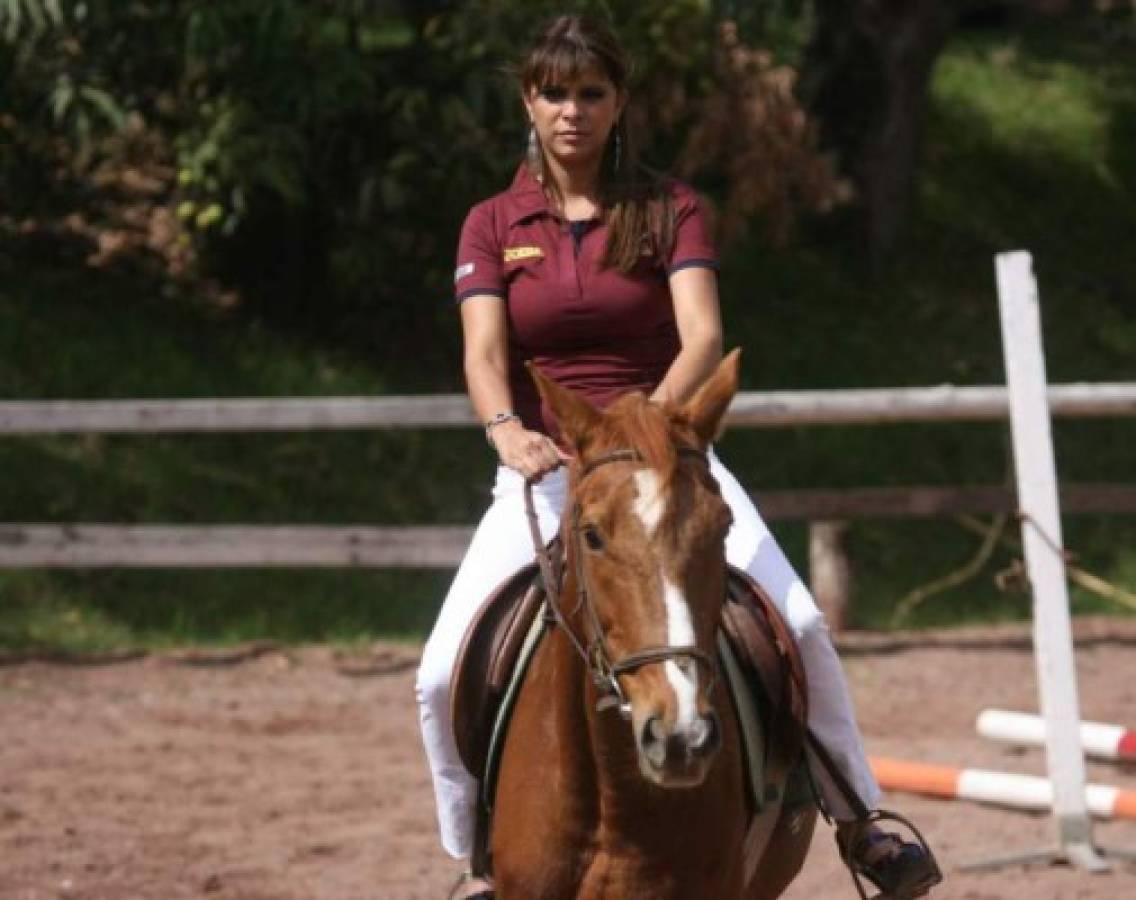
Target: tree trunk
866 74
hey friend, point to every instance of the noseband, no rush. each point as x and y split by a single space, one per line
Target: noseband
597 657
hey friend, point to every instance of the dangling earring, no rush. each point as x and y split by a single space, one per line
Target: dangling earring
618 149
533 157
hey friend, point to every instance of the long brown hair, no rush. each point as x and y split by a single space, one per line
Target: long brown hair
636 205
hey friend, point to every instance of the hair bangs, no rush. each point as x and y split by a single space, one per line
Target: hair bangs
561 62
569 47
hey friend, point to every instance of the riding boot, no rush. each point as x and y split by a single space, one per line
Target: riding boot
899 868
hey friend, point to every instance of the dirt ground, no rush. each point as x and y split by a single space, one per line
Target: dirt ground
299 774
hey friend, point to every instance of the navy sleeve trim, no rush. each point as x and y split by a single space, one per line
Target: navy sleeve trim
472 292
694 263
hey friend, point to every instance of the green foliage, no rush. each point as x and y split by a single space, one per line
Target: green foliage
336 144
75 74
1027 147
1029 105
20 17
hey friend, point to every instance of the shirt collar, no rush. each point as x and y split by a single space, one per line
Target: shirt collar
525 196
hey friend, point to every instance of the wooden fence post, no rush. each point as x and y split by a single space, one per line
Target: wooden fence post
830 572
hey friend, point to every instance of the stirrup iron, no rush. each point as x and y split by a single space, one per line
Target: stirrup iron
932 877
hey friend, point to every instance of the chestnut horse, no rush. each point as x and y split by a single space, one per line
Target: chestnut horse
652 804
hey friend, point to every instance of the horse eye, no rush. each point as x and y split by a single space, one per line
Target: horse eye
592 538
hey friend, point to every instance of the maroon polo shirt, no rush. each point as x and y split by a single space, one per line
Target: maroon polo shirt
590 328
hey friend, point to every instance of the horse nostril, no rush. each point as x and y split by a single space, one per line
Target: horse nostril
653 740
654 731
706 736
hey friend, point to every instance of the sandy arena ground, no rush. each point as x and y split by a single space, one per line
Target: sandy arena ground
280 775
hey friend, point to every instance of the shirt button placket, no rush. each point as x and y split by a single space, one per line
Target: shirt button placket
580 259
569 263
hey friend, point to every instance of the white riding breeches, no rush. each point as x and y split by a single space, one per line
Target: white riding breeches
502 544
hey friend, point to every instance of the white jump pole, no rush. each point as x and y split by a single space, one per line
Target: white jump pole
1045 565
1098 739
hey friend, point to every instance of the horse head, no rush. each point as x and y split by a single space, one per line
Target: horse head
646 528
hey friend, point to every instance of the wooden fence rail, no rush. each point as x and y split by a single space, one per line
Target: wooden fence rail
441 546
231 546
36 545
760 409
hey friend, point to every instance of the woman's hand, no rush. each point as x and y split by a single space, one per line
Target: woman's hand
530 453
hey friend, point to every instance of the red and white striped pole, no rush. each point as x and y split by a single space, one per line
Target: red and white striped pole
1098 739
1001 788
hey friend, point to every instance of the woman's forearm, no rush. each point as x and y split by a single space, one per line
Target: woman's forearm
694 292
488 386
530 453
695 362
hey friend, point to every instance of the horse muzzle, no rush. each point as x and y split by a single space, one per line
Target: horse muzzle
678 755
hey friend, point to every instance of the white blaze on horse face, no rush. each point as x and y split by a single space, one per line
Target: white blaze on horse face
649 501
680 633
650 504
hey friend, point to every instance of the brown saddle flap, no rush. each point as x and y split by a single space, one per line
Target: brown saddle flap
485 661
763 643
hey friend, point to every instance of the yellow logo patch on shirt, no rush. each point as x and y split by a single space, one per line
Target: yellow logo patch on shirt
512 254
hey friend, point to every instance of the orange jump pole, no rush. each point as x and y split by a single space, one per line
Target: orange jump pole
1000 788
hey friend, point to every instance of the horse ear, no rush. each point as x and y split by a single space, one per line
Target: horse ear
705 411
575 415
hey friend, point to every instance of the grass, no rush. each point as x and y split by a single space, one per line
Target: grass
1030 143
105 610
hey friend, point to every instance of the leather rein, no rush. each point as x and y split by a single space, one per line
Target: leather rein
595 653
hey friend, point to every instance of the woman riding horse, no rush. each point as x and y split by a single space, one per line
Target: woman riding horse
593 804
603 276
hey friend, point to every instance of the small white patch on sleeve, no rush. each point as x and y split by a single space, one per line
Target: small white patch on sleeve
649 500
462 271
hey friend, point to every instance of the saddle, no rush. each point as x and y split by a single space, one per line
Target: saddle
506 629
488 657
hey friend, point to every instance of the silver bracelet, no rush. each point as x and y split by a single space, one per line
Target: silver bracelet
498 419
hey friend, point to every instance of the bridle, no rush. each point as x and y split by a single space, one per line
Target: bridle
597 657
